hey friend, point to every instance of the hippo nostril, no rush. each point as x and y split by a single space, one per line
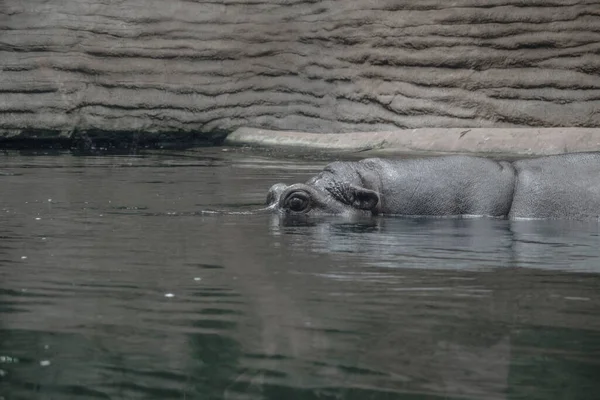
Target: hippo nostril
297 201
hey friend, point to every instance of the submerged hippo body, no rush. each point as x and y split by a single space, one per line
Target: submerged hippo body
561 186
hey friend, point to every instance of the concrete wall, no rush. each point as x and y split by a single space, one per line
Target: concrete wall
158 66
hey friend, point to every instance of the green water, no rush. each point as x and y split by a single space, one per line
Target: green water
114 286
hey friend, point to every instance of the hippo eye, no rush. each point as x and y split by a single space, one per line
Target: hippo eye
297 201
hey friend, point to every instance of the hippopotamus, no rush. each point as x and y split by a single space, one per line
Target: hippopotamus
557 186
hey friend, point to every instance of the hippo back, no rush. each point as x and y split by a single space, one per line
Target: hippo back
561 186
447 185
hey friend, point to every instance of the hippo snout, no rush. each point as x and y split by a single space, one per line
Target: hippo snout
275 193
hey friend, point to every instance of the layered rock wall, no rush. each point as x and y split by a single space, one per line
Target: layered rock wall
157 66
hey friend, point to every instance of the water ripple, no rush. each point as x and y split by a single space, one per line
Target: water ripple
121 287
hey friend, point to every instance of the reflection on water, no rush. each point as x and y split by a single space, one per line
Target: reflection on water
470 243
114 286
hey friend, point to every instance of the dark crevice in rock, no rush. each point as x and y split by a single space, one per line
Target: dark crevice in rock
102 141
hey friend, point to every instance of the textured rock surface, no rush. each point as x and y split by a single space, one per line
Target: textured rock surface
178 66
507 141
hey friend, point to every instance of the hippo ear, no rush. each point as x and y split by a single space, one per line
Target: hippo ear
363 199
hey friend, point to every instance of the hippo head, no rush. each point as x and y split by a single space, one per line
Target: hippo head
336 190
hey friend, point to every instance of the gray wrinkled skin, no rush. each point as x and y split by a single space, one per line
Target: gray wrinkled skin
562 186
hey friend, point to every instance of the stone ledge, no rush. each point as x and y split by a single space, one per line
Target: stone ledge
493 141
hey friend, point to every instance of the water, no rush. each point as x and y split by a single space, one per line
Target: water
114 286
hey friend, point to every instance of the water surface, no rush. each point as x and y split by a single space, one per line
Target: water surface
114 286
